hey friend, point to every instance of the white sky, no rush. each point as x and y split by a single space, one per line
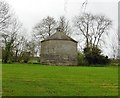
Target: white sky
31 12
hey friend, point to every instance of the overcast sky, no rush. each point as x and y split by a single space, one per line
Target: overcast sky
31 12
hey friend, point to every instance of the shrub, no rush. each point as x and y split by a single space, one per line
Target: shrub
80 58
93 56
24 57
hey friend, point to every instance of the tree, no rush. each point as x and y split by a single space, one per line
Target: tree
94 56
113 44
10 40
45 28
65 25
25 57
5 17
9 29
26 50
92 27
30 46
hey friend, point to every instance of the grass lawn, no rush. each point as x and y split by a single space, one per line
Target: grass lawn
41 80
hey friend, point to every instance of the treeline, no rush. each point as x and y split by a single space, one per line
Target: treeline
17 48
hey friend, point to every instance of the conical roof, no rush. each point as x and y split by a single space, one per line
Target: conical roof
59 36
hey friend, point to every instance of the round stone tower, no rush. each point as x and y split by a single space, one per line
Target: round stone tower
59 49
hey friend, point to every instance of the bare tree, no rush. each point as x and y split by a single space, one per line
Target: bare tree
9 29
31 47
65 25
92 27
5 15
113 44
45 28
10 39
84 5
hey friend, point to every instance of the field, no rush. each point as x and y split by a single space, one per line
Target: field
43 80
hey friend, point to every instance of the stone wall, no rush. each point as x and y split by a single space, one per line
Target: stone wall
59 52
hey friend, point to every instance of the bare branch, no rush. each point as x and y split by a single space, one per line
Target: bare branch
92 27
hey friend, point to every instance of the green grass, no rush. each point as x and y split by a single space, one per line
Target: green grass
40 80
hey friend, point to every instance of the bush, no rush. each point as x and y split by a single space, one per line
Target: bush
24 57
7 56
80 58
93 56
119 63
